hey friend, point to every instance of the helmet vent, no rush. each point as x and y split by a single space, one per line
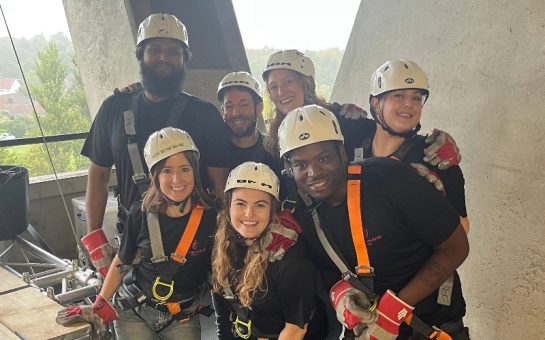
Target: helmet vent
406 66
380 82
386 68
301 117
335 127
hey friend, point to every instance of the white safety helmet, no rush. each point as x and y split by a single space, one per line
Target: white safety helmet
398 75
239 79
162 25
307 125
165 143
254 175
290 60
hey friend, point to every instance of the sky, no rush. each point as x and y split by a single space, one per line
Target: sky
300 24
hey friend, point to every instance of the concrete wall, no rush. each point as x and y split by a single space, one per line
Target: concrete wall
486 65
103 33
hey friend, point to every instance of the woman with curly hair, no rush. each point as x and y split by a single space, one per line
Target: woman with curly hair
262 281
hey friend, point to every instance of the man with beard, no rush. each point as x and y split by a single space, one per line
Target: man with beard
125 121
241 104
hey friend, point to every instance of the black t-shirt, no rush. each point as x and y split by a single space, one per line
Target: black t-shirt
106 144
452 178
193 273
404 219
255 153
290 296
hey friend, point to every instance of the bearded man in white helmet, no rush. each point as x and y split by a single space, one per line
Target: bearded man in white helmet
125 121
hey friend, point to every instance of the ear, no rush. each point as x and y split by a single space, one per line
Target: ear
374 103
259 109
342 154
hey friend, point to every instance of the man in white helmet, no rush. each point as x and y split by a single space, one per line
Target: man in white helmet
124 122
241 104
385 239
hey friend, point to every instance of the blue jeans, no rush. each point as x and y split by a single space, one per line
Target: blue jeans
145 322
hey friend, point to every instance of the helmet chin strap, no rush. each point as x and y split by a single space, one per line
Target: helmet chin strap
380 119
181 204
238 238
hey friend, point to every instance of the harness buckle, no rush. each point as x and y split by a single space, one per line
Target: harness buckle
178 258
159 283
347 275
365 270
243 329
288 204
139 178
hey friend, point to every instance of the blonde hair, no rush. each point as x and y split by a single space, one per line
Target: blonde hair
229 265
309 90
154 200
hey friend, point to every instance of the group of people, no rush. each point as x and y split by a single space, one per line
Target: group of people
331 225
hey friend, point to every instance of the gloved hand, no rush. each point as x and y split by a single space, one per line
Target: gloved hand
130 89
352 111
443 151
100 251
430 176
278 240
353 308
98 315
392 311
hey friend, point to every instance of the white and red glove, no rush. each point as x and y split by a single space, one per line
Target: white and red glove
352 307
352 111
430 176
99 314
100 251
392 311
443 151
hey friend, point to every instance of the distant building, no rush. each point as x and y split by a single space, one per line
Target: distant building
9 86
18 105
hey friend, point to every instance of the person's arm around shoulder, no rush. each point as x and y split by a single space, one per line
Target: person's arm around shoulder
448 256
96 195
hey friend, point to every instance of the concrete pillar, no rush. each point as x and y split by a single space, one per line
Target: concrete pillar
486 65
103 33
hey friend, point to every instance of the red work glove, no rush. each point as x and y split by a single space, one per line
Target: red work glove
98 315
100 251
443 151
392 311
430 176
353 308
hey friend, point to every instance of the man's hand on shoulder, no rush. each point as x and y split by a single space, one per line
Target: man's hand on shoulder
130 89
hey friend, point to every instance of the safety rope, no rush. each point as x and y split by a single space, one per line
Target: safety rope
63 198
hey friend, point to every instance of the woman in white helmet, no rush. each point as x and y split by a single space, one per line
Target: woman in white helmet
262 281
170 237
290 79
399 89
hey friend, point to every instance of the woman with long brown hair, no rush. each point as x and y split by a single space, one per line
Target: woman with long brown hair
169 235
263 284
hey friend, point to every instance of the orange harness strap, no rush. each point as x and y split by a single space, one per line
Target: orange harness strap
188 235
355 218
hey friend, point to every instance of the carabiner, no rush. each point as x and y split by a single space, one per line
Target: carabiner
243 325
159 283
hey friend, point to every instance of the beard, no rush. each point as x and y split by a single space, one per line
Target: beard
164 86
248 131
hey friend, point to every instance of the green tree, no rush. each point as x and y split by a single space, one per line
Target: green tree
66 109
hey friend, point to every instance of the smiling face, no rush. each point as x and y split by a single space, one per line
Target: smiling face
239 112
401 109
176 178
285 90
318 170
250 211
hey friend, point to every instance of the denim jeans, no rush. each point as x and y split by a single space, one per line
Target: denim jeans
145 322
